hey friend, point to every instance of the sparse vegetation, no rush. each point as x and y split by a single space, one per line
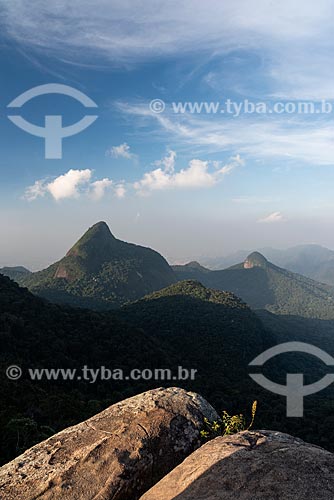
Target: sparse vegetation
229 424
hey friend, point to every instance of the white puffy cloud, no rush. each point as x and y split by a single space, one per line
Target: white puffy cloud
120 190
73 184
198 174
121 151
99 188
67 185
272 218
168 162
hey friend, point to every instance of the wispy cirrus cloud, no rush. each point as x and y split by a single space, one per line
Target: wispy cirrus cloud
130 32
272 218
72 185
252 200
101 24
294 138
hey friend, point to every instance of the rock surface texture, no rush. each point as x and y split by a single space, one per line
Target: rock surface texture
116 455
264 465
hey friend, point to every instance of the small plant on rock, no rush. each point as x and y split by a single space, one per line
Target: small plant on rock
229 424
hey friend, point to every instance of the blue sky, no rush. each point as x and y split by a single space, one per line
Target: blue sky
185 184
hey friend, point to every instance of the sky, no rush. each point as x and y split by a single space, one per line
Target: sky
188 184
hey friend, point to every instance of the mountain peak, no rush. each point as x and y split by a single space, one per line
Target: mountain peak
99 229
185 287
255 259
196 266
193 289
97 234
106 271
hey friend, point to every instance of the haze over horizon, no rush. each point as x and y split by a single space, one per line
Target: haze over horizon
186 184
208 260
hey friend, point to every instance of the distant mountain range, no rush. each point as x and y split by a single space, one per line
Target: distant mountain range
313 261
264 285
15 273
100 271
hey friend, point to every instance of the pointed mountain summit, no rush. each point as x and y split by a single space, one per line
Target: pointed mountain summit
255 259
99 234
264 285
88 253
101 270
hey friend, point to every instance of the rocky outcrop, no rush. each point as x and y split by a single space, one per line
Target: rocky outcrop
124 451
116 455
263 465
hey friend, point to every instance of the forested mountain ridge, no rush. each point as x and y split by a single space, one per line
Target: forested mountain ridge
100 272
185 325
15 273
311 260
35 334
262 285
